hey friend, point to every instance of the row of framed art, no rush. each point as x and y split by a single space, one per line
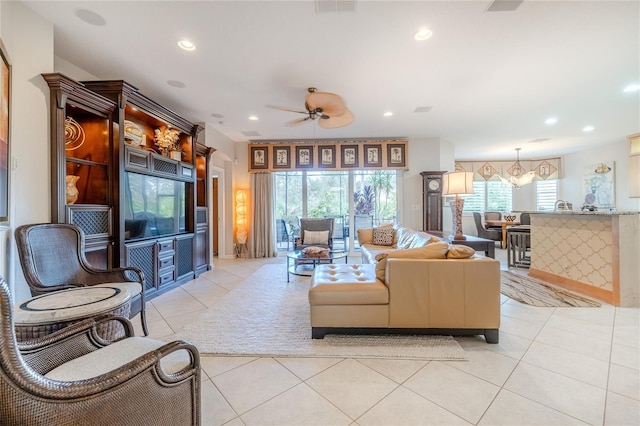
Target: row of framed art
333 156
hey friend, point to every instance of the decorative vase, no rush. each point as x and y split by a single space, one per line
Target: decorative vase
72 190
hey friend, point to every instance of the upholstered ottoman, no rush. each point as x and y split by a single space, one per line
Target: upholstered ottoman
347 296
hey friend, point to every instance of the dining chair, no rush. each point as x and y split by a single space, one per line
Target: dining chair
494 234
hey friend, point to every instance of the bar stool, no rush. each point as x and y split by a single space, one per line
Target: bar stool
519 246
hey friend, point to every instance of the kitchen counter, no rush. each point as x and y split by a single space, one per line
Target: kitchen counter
594 253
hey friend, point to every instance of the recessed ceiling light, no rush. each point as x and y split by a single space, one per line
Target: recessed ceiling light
632 88
176 83
253 118
550 121
91 17
588 129
186 45
388 114
423 34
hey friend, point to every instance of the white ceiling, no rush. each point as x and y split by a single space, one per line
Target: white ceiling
491 78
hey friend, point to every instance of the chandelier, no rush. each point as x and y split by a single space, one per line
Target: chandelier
518 177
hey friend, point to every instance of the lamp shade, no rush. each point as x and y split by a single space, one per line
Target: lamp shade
457 183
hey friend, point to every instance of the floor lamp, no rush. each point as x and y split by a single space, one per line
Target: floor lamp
457 183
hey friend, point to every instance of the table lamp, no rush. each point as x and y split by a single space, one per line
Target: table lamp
457 183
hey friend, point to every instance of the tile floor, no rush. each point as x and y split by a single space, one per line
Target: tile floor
553 366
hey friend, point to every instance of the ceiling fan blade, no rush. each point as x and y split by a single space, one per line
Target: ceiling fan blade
331 104
287 109
296 121
335 122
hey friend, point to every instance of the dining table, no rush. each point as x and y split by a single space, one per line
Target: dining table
504 224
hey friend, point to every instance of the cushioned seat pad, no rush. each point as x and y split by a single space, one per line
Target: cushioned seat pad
347 285
115 355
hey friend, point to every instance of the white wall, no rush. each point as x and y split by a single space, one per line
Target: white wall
28 39
576 165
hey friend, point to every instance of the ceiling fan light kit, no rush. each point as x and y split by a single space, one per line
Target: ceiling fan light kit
329 108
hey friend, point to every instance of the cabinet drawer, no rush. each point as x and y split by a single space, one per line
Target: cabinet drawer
165 246
165 278
165 262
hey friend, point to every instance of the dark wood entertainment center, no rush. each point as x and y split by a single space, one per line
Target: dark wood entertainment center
90 147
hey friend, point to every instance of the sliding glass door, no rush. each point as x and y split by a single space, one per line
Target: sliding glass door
358 199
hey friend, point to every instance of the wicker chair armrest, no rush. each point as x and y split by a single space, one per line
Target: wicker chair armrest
185 372
102 276
46 353
134 374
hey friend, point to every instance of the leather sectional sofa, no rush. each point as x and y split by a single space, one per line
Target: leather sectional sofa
429 288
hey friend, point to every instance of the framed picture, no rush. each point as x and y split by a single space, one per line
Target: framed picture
373 155
349 155
281 157
259 157
327 157
304 157
5 92
396 155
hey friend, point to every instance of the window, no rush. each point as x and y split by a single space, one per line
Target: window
356 198
495 196
546 194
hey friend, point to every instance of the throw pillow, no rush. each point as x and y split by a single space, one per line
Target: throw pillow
430 251
315 237
383 236
405 235
457 251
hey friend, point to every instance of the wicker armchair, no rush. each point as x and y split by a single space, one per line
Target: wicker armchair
52 259
315 225
73 377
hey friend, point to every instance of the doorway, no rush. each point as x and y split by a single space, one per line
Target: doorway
214 217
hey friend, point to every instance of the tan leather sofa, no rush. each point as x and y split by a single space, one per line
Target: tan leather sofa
404 238
431 296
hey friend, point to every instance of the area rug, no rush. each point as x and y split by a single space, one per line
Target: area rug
534 292
266 316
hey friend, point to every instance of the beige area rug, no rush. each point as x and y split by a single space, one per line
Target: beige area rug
266 316
532 291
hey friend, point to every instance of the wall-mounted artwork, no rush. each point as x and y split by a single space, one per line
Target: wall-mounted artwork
373 155
304 157
327 156
281 157
349 156
5 91
599 185
396 155
259 157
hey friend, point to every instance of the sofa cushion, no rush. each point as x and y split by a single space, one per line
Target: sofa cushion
365 236
315 237
405 235
338 284
437 250
421 239
383 236
458 251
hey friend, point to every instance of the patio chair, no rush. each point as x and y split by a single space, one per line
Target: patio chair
494 234
314 230
73 377
52 259
283 234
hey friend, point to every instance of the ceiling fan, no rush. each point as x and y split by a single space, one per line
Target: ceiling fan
328 108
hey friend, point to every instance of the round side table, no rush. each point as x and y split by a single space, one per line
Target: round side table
44 314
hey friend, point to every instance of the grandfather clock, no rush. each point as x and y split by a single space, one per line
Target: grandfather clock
432 201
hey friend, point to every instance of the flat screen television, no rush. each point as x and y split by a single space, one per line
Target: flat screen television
154 206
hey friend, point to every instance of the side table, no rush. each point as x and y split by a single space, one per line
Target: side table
44 314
